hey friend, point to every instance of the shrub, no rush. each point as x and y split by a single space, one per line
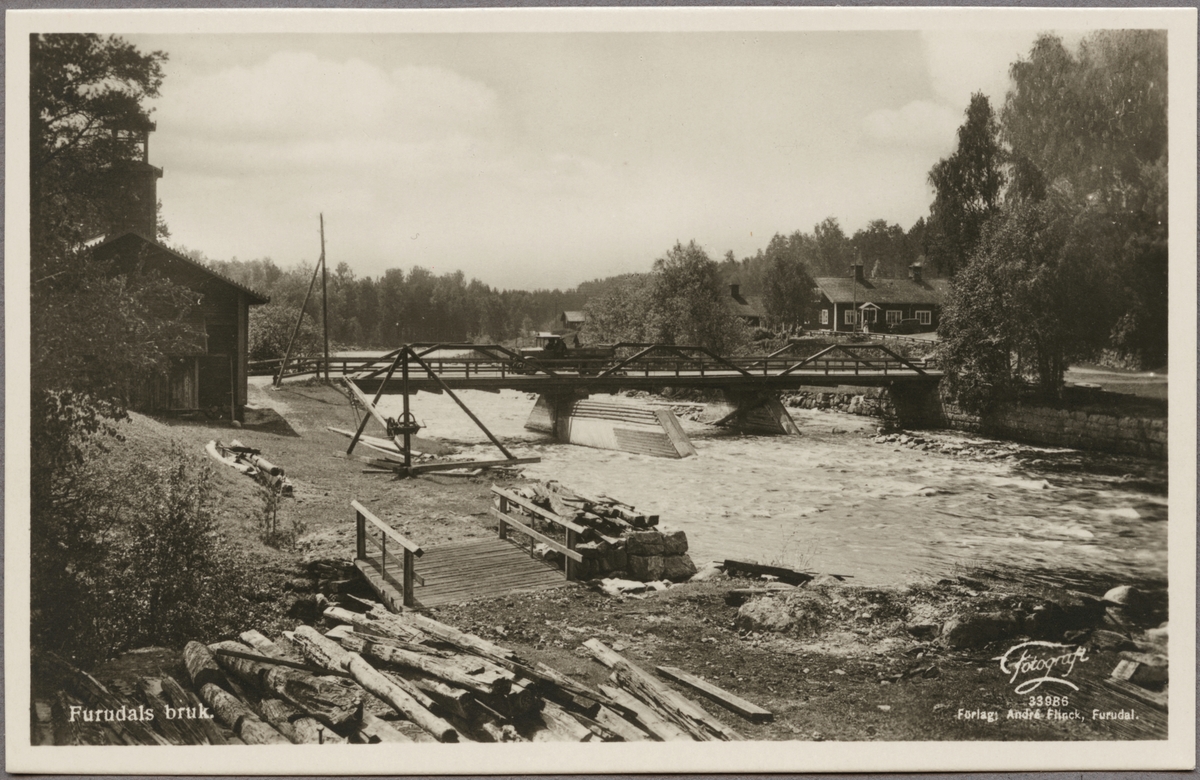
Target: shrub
271 327
121 556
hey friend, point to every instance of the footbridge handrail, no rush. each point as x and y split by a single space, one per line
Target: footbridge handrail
407 560
573 530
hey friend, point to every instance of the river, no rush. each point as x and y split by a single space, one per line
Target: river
832 500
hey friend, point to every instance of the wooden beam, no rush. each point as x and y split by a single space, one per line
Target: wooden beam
748 710
546 540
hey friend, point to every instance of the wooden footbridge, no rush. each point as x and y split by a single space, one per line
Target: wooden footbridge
407 576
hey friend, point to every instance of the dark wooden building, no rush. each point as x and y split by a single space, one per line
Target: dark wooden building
212 377
844 303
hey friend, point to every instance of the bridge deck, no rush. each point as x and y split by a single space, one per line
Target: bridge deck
461 571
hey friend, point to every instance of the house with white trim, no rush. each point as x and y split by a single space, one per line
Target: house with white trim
849 303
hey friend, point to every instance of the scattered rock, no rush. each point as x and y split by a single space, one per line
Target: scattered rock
1110 640
923 631
981 629
765 614
710 571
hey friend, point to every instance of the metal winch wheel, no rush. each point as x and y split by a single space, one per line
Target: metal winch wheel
406 425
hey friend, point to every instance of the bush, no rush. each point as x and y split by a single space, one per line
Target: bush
121 556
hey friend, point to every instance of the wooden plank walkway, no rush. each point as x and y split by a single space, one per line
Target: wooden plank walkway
461 571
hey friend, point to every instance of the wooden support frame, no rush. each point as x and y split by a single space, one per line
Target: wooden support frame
403 440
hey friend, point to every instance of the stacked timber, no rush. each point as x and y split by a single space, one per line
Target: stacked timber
370 676
621 542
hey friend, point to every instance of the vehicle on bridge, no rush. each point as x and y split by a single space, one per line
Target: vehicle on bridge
551 351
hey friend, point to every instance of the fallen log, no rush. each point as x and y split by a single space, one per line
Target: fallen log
656 725
561 727
789 576
686 713
329 701
620 726
178 731
472 674
749 711
95 695
376 730
384 623
448 634
327 653
456 701
178 697
238 718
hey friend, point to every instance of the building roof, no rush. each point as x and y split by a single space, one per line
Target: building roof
111 246
844 289
574 316
746 305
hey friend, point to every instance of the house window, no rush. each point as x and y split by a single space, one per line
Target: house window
849 317
924 317
894 316
824 316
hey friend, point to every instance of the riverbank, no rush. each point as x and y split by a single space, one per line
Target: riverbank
858 660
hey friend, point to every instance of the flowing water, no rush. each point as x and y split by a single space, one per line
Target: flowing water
832 500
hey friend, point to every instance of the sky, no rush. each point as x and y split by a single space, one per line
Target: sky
541 160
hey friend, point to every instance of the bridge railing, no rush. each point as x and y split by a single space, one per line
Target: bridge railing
630 359
508 500
373 533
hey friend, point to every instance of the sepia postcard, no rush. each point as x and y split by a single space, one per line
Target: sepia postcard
575 391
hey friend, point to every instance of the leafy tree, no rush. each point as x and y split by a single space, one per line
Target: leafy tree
833 253
967 187
688 301
1029 302
271 328
622 312
1091 127
82 89
787 284
883 249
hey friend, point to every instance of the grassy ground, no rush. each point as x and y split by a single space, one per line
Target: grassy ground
854 672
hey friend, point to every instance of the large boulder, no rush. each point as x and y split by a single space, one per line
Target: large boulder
646 567
961 632
674 543
765 614
644 543
678 568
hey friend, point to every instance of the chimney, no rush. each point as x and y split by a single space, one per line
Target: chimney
914 272
733 291
857 270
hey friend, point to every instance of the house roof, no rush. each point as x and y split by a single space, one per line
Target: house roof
746 305
574 316
112 246
844 289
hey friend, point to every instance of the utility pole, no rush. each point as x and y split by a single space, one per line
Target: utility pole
325 298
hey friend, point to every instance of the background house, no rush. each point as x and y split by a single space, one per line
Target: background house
572 320
748 307
846 301
214 377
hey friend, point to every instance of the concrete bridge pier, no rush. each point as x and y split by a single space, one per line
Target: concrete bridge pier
751 411
611 424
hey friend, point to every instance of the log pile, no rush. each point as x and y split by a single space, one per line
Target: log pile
371 676
620 541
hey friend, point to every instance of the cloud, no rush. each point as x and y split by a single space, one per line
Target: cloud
919 124
297 95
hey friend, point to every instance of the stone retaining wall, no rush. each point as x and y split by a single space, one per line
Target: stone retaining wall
914 407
